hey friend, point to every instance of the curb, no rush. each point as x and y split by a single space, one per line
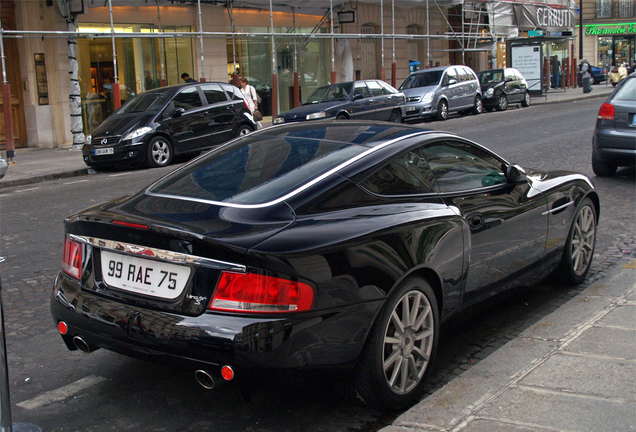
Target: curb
41 178
574 99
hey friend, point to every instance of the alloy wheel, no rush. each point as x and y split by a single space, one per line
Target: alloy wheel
408 342
160 152
583 239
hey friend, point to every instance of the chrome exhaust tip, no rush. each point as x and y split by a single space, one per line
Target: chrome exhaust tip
81 345
205 379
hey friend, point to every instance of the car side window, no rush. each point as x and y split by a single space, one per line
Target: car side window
213 93
510 75
518 75
387 88
451 74
463 74
361 88
188 99
407 174
460 166
232 92
375 88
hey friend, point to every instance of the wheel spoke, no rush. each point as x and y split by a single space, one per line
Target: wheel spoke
395 355
414 309
420 320
404 372
396 371
424 334
398 323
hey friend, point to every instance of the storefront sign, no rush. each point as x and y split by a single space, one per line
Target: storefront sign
609 30
526 16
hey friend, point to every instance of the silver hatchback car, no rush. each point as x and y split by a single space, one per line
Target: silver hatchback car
438 91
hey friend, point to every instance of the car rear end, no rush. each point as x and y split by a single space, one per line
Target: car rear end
614 141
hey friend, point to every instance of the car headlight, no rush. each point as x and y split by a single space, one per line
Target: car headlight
138 132
88 139
428 97
279 120
490 92
317 115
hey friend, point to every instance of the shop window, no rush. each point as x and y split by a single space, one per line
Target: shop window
40 75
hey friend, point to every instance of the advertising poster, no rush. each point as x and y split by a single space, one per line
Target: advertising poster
527 58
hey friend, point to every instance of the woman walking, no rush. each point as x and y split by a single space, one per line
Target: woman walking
249 92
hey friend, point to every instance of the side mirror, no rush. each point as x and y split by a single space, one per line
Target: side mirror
177 112
515 174
358 96
452 81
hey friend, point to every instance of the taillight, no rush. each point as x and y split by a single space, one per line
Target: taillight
606 112
72 258
257 293
130 224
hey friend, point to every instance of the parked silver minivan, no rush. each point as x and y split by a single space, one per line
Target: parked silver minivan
438 91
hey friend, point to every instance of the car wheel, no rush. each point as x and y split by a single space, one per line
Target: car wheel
243 130
502 103
526 100
479 107
592 80
442 110
579 247
603 169
341 117
159 152
396 116
400 349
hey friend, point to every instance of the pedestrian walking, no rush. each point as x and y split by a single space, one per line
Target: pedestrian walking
186 78
249 92
586 76
555 66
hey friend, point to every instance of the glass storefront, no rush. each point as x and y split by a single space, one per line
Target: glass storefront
139 66
614 50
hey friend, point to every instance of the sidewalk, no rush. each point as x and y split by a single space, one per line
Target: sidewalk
575 370
36 165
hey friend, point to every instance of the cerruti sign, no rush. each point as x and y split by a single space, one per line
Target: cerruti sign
610 29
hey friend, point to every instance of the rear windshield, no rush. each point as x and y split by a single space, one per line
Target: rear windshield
145 102
256 170
490 76
627 91
423 79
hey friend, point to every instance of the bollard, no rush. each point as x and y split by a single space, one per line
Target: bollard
5 400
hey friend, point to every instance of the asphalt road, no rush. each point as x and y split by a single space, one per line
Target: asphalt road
109 392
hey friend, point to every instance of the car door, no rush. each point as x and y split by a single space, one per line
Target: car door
220 114
186 120
523 85
361 107
505 224
452 90
380 100
511 85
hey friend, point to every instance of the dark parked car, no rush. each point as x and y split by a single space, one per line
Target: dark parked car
501 87
359 100
156 125
614 142
598 75
436 92
317 245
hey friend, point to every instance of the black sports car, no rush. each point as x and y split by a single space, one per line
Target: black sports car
315 245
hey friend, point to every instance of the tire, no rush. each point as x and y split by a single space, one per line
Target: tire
579 247
396 116
341 117
400 350
442 110
592 80
526 100
603 169
159 152
243 130
502 103
479 107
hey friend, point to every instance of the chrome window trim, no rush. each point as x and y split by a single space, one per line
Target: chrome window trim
293 192
157 254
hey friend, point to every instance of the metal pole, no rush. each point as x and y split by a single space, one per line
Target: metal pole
394 64
116 94
6 106
382 70
163 81
201 40
580 30
235 77
428 36
274 73
333 58
296 80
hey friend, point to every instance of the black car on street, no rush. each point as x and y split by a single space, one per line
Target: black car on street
357 100
156 125
501 87
317 245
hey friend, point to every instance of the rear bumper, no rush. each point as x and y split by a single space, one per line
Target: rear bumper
611 146
211 340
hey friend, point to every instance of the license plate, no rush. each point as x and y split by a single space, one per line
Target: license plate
104 151
411 108
143 276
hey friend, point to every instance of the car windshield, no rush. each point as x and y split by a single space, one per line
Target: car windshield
256 170
490 76
145 102
627 91
424 79
336 92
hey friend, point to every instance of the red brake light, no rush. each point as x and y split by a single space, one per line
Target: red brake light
130 224
257 293
72 258
606 112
